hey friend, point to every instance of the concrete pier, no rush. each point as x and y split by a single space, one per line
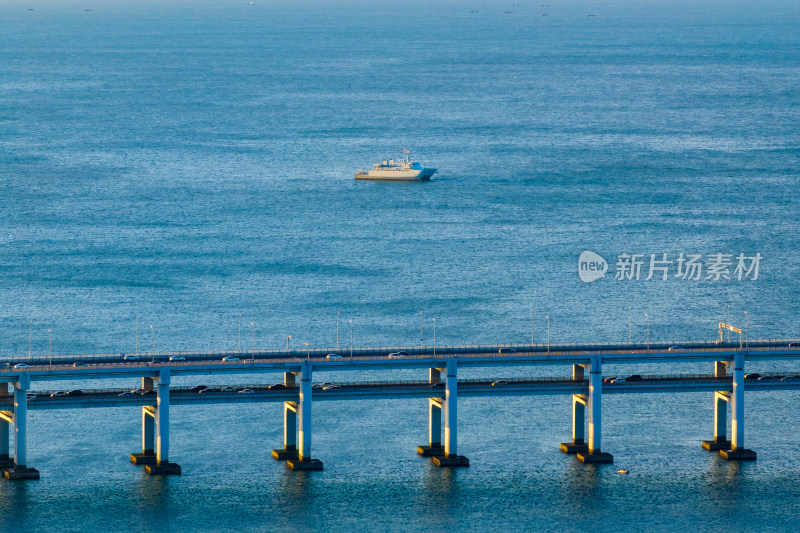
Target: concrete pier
578 444
434 447
738 451
450 408
289 450
6 461
148 455
162 466
20 470
594 403
304 460
721 400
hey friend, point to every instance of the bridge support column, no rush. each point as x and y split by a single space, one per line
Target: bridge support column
162 465
450 408
434 447
289 450
738 451
578 443
148 455
594 401
304 460
721 399
20 469
5 459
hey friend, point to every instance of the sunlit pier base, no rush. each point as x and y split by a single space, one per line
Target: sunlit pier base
148 455
289 450
738 451
594 401
721 400
578 444
162 465
450 408
434 447
304 460
18 418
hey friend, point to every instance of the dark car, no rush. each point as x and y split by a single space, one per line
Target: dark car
147 393
207 390
752 376
635 377
277 386
76 392
198 388
506 350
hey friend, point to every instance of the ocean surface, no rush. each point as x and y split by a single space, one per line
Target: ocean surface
191 164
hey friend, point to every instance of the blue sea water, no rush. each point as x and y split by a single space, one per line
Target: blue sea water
190 162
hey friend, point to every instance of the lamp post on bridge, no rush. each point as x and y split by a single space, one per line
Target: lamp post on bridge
630 339
240 333
288 337
548 332
420 329
50 332
337 331
434 337
308 352
30 338
746 333
154 342
351 339
648 331
137 335
253 344
729 322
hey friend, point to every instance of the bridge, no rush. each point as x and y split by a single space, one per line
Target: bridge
584 383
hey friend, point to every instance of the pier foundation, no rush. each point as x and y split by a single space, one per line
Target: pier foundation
289 450
304 460
6 461
434 447
20 470
162 465
450 408
148 454
738 452
594 404
578 444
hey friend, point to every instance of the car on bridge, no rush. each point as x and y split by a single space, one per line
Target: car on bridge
499 382
125 394
331 387
247 391
58 393
277 386
675 349
398 355
752 376
177 358
76 364
229 358
506 350
76 392
198 388
333 357
21 365
130 357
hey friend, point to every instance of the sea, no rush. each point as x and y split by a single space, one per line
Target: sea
178 175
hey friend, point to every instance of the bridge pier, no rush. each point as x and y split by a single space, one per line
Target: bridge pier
450 408
289 450
434 447
162 465
578 444
304 460
594 403
148 455
6 461
738 451
721 399
20 469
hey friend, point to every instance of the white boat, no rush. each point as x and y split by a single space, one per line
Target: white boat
397 170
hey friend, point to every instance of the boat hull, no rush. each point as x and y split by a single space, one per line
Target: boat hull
397 175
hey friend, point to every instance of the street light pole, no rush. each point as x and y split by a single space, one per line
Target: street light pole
253 343
434 337
30 339
729 322
648 331
308 352
154 342
351 339
548 332
137 334
287 342
240 334
420 329
49 331
337 331
746 332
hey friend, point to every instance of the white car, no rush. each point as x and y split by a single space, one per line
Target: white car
130 358
331 387
230 358
21 365
675 349
246 391
398 355
177 358
333 357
